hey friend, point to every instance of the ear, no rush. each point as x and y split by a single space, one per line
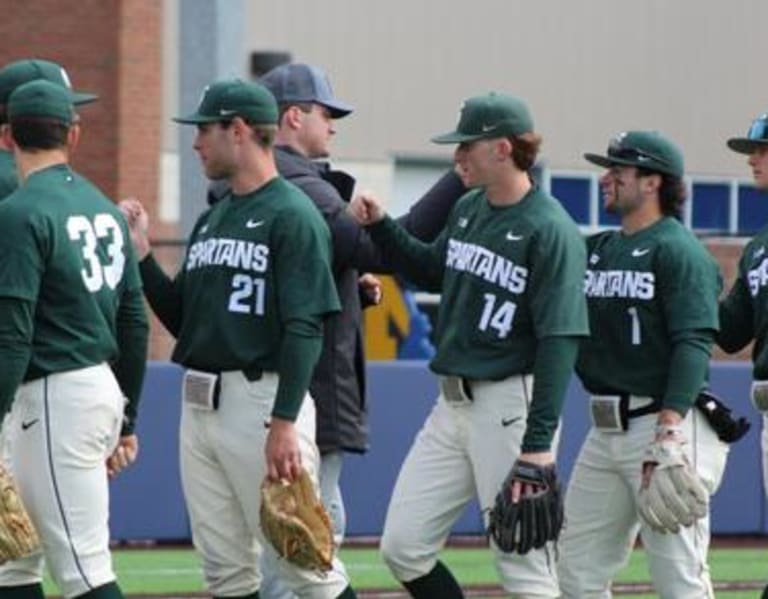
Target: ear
652 182
240 128
5 135
292 117
503 148
73 136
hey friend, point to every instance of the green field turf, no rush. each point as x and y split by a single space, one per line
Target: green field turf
176 571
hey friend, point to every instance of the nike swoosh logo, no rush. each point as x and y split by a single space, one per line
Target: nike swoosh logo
487 128
508 421
26 425
252 224
512 237
638 252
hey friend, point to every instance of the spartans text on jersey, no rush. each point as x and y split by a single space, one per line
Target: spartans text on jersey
235 253
620 283
491 267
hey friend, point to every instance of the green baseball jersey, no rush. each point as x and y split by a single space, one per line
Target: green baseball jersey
643 291
510 276
8 179
66 249
744 312
254 263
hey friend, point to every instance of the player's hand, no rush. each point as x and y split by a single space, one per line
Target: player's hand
282 450
123 456
366 208
138 223
371 287
541 458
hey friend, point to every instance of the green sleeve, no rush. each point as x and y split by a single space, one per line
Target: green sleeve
163 294
555 358
15 347
736 318
688 368
299 352
132 339
421 263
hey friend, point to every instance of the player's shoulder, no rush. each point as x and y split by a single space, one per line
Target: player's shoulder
291 204
677 244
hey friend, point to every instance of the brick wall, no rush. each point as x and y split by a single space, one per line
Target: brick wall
111 48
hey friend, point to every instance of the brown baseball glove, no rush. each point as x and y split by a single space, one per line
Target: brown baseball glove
18 536
296 523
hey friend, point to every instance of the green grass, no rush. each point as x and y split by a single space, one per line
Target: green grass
177 570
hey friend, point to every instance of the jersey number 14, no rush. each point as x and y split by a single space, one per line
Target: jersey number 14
496 317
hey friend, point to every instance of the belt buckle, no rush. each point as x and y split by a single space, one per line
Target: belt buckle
606 413
455 390
759 395
200 390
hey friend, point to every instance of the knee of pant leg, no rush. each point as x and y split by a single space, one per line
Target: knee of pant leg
404 560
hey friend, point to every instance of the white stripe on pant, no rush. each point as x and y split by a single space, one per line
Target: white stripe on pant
61 430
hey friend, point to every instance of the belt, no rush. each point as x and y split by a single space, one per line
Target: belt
611 412
202 388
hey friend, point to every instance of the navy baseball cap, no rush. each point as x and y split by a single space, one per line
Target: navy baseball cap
42 99
757 137
644 149
224 100
295 83
487 117
22 71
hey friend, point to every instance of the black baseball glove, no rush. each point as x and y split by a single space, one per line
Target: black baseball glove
538 515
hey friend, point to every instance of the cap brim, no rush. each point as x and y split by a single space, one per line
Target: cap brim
744 145
606 162
80 98
196 119
338 110
454 137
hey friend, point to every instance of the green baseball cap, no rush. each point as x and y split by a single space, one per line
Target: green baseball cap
645 149
487 117
22 71
224 100
757 137
43 99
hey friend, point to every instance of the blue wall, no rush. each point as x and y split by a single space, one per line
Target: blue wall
147 502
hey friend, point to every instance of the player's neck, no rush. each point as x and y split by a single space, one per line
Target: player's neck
31 162
508 188
252 175
640 219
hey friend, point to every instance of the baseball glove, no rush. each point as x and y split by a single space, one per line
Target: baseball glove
296 523
18 536
536 518
671 494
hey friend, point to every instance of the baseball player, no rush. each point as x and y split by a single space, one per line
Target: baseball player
744 312
652 293
11 76
510 267
73 346
308 114
247 309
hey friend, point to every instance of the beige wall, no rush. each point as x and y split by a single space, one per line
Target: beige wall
693 69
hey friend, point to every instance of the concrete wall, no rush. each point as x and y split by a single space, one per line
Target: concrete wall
690 68
401 394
